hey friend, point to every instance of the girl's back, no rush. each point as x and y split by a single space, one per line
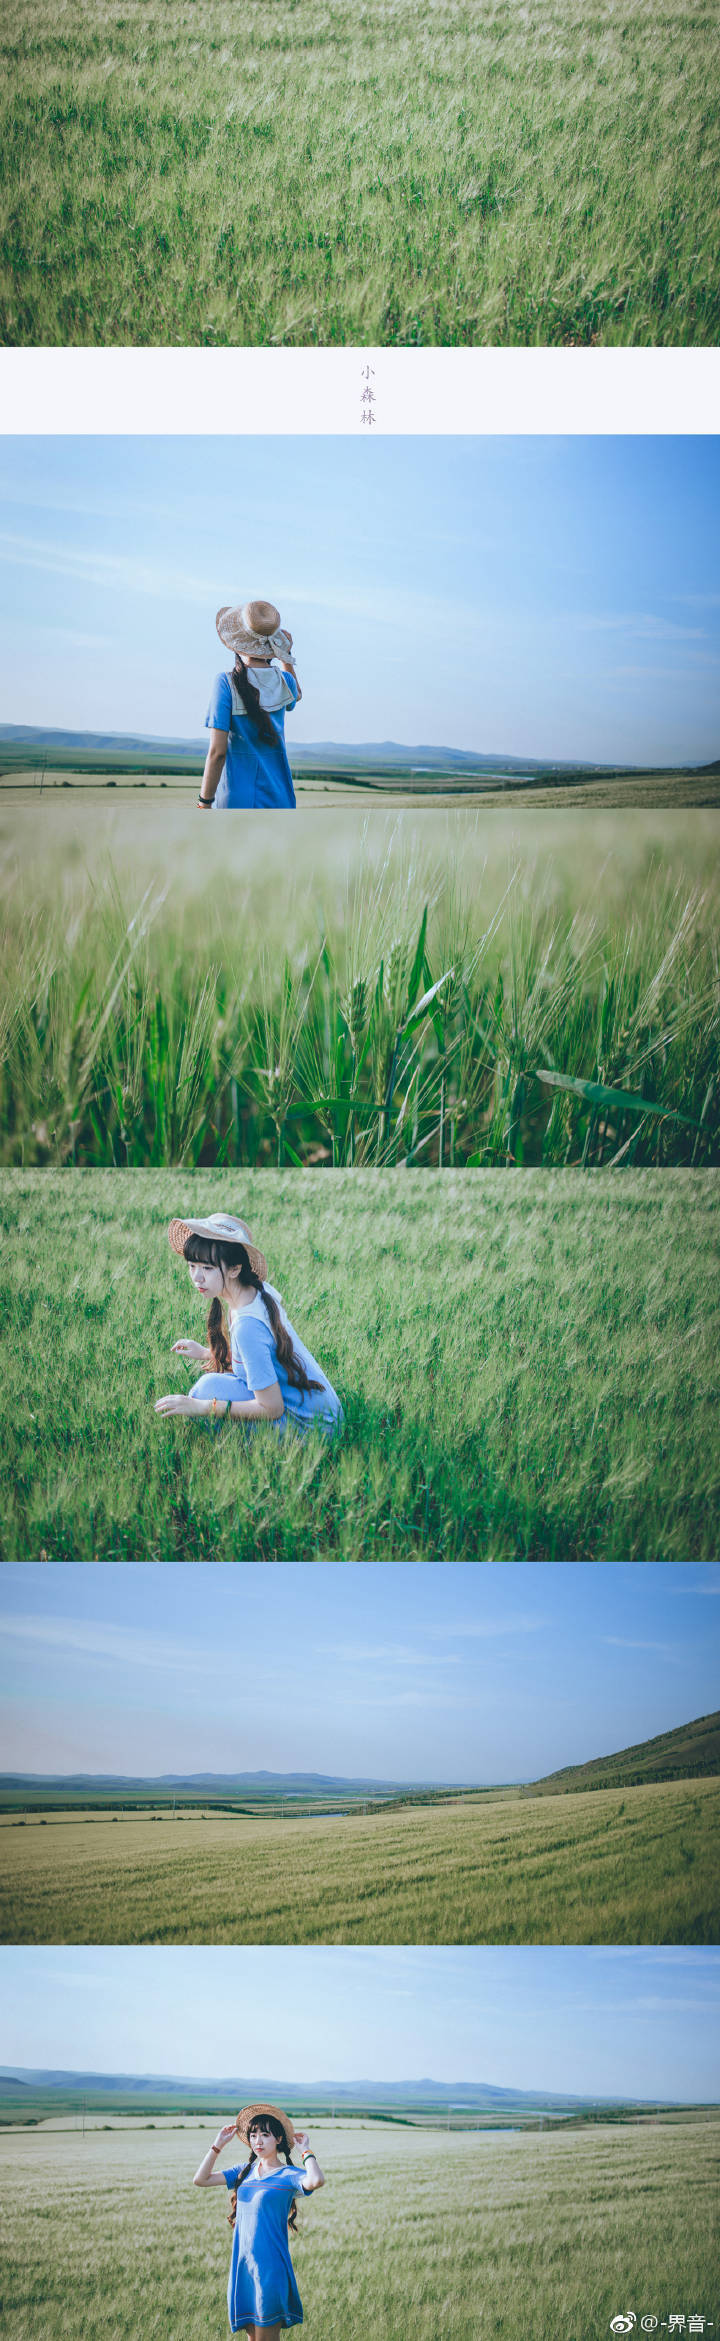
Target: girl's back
255 1360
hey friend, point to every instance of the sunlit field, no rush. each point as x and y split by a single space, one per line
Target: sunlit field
465 991
528 1366
475 173
606 1866
333 792
413 2234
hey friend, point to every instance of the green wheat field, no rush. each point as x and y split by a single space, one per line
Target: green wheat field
528 1365
605 1866
476 173
438 991
413 2234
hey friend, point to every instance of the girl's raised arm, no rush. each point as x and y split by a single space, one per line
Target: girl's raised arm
207 2175
313 2176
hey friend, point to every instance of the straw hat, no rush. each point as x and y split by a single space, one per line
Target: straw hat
220 1228
250 2114
254 629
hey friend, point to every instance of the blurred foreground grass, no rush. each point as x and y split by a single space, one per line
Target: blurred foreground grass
452 990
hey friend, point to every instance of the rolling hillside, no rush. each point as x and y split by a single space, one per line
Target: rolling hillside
688 1753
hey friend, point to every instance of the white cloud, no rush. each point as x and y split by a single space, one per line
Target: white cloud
644 625
625 1642
108 572
383 1654
121 1645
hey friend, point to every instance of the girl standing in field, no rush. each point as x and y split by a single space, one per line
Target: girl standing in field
259 1370
263 2298
246 764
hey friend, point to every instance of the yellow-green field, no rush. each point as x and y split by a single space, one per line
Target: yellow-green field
319 791
181 171
601 1866
414 2236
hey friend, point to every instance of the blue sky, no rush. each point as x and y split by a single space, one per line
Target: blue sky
402 1673
637 2022
534 596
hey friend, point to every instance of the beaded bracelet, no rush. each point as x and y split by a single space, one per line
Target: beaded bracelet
205 804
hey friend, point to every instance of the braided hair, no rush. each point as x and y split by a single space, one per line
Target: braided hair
212 1254
279 2135
252 704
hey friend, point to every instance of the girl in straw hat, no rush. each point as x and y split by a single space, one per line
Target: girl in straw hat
246 764
263 2298
257 1369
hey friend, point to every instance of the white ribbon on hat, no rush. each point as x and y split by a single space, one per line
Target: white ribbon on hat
277 645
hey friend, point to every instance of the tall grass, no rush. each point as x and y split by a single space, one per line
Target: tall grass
472 173
412 2236
528 1368
419 1014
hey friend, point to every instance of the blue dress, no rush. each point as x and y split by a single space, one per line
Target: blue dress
255 776
255 1364
261 2284
255 1361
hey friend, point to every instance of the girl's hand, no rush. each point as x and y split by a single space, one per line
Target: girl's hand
193 1349
228 2131
302 2140
177 1403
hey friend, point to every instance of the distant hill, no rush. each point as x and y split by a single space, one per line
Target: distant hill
276 1783
685 1754
390 754
475 2096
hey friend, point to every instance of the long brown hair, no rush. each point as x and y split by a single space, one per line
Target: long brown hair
210 1254
252 704
279 2136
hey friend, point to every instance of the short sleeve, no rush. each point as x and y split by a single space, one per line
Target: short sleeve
219 714
256 1347
231 2176
291 687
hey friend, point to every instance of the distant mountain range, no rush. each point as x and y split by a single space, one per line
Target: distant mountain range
475 2096
279 1783
337 753
687 1752
332 751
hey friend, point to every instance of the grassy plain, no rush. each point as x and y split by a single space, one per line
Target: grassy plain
605 1866
333 791
478 173
412 2235
437 992
528 1367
